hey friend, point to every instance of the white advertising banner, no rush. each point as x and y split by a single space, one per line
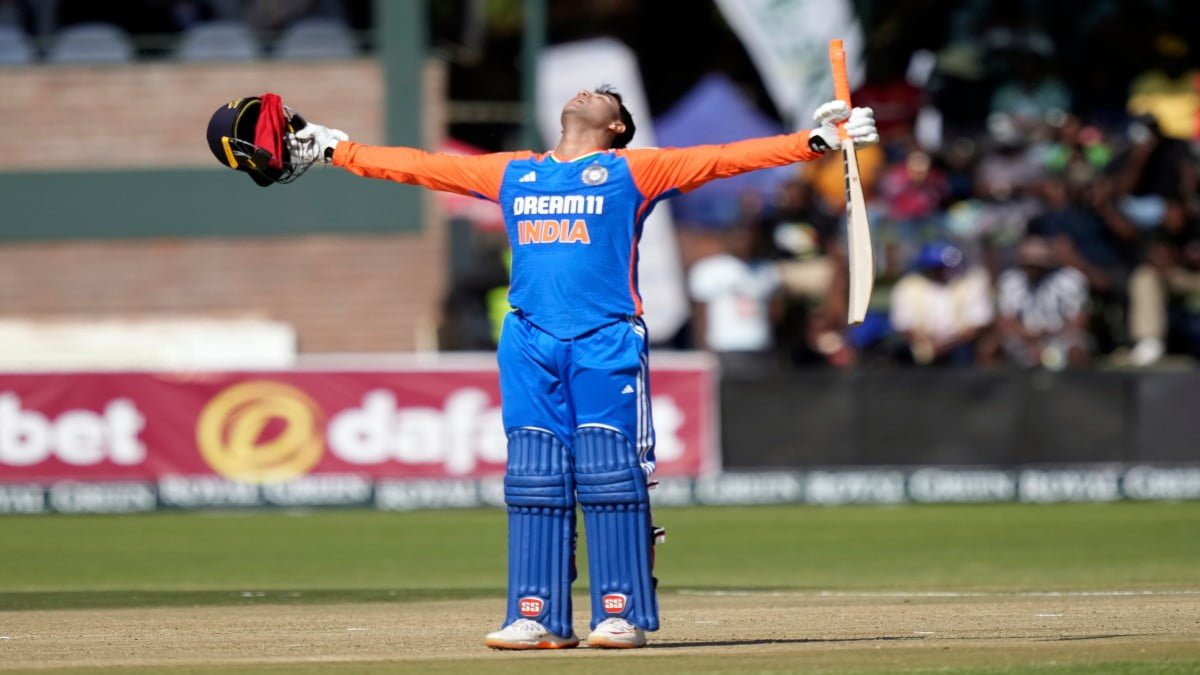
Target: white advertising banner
788 40
564 70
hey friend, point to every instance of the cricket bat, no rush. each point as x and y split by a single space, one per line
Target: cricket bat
858 230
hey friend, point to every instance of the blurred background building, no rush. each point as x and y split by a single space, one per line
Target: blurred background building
1025 144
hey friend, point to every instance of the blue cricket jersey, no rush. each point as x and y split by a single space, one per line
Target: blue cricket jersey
574 226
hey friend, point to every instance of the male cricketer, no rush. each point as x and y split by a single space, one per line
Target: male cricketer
573 353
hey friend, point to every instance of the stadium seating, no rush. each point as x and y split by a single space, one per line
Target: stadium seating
317 39
99 43
15 47
219 41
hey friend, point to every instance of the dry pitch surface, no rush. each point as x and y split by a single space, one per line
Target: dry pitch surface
703 632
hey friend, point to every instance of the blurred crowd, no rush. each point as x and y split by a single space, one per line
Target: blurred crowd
1049 235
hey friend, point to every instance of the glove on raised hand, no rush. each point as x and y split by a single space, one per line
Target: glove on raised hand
860 126
314 143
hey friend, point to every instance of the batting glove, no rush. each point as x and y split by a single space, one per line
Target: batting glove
314 143
860 126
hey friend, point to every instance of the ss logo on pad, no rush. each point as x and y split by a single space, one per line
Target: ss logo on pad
530 606
614 603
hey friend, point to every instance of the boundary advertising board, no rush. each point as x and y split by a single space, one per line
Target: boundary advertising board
134 441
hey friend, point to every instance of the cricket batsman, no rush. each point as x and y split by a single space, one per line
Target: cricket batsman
573 353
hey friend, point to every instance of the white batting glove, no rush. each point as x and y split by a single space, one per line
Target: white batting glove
860 126
314 143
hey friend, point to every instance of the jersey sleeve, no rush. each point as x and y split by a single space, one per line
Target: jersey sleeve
657 171
471 175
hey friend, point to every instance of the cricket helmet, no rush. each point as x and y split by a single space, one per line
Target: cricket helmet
938 254
242 138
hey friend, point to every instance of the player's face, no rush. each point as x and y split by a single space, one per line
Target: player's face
599 110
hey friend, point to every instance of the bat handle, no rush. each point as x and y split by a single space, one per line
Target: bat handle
841 81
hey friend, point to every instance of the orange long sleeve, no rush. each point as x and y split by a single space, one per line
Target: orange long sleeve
474 175
659 170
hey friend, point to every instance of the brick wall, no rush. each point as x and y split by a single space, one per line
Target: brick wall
341 293
359 293
156 114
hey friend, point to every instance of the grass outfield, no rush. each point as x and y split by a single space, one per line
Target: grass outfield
849 588
323 556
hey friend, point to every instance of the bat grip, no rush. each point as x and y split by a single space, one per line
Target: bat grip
841 81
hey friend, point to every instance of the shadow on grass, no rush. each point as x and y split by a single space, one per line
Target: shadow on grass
777 641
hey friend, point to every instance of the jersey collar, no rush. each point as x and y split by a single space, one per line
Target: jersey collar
583 156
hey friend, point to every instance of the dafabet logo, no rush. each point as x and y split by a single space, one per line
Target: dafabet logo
261 432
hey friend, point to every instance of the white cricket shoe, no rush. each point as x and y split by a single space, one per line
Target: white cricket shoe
528 634
617 633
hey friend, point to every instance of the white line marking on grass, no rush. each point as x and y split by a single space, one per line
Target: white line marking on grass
1047 615
943 594
922 632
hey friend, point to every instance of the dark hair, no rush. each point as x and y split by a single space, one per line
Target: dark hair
622 139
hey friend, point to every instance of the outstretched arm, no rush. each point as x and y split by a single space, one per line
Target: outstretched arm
474 176
658 171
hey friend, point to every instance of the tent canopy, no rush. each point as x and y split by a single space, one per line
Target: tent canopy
715 111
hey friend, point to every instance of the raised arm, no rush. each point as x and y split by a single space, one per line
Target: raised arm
472 175
660 170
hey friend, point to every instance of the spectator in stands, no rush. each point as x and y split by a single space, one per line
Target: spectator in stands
1164 291
1010 169
957 162
1006 178
912 194
1043 310
1169 91
1080 237
736 296
1032 95
800 236
1153 169
1087 232
942 309
1075 150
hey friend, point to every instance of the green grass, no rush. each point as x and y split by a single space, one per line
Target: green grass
275 557
174 558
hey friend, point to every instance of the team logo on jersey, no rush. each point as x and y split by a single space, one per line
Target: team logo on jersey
614 603
531 606
595 174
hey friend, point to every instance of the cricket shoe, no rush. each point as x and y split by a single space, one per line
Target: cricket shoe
617 633
528 634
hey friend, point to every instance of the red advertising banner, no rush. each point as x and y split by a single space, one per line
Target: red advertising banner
278 427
